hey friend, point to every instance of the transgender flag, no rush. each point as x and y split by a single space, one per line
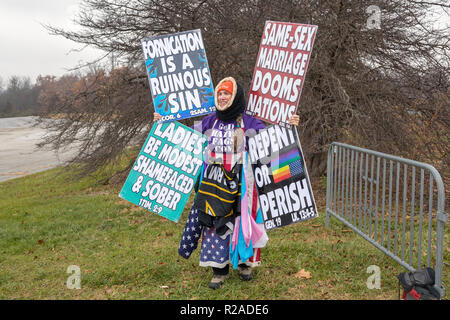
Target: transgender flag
287 164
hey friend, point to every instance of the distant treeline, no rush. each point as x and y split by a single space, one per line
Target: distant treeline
18 97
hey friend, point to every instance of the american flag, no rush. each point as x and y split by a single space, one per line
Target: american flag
191 235
215 250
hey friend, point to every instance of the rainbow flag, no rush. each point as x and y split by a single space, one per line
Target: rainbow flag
287 164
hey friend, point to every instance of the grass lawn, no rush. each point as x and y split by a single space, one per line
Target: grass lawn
49 222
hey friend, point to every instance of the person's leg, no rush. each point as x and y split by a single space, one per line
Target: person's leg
215 253
221 271
245 272
219 276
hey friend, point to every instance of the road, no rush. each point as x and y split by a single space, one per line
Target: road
18 153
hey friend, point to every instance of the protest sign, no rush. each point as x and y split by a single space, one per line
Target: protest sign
178 74
166 169
284 190
280 71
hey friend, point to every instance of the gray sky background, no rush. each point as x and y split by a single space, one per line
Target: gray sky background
27 49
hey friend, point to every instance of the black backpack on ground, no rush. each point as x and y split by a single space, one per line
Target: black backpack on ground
418 285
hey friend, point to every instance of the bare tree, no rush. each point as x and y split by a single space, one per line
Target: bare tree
378 74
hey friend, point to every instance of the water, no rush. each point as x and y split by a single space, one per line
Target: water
18 153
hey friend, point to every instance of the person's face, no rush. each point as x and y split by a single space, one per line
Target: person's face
223 98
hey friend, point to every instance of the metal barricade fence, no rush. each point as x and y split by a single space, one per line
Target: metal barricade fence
394 203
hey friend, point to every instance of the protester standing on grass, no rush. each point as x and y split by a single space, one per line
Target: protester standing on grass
229 121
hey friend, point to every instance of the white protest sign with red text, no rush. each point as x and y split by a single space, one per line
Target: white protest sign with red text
280 71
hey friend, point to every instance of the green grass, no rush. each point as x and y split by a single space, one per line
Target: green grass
49 222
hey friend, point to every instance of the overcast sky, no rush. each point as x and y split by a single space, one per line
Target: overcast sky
27 49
